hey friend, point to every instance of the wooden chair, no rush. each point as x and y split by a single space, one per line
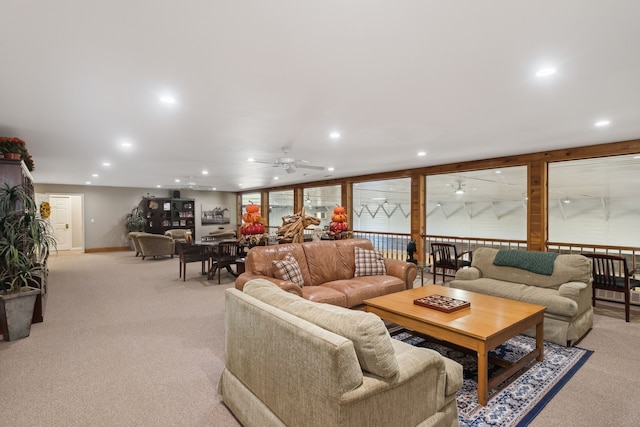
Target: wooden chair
610 273
224 255
188 252
446 257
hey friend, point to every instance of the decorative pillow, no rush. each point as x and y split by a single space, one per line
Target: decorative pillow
289 270
369 263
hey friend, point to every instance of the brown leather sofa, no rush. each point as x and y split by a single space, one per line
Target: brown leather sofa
328 269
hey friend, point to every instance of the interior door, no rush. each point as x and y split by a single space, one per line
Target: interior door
61 221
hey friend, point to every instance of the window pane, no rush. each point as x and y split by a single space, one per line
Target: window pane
488 203
320 201
280 204
382 206
595 201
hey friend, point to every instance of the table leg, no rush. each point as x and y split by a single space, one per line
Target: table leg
483 375
540 341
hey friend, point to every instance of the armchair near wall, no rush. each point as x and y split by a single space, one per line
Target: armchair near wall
155 245
133 235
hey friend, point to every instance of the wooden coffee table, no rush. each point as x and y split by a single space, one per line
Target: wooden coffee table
487 323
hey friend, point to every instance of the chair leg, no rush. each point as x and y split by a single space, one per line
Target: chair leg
627 296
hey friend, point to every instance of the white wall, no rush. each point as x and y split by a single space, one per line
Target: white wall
105 209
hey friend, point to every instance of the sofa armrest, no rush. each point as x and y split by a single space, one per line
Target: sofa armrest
424 381
407 271
242 279
469 273
572 290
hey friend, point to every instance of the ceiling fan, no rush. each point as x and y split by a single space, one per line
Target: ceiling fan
289 164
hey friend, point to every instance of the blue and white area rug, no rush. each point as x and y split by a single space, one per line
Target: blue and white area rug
514 403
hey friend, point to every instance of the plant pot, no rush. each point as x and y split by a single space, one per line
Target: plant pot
12 156
16 312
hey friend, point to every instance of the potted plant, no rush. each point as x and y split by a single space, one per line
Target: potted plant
25 242
16 148
135 220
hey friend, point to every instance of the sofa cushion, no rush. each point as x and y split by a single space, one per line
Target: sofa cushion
368 333
368 263
288 269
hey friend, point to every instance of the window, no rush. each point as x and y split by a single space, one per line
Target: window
489 203
382 206
320 201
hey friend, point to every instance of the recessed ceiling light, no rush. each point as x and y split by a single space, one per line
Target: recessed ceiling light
106 164
330 168
422 153
544 72
251 159
240 185
88 182
205 172
125 145
158 186
95 175
636 157
334 135
275 177
213 188
498 171
602 123
167 99
177 180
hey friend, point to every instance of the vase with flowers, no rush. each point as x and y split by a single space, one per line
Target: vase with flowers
16 148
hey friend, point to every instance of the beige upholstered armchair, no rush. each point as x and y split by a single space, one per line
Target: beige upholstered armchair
177 234
133 235
155 245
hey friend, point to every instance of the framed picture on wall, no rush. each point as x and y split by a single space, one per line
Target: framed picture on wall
215 215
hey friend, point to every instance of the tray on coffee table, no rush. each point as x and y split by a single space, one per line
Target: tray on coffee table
442 303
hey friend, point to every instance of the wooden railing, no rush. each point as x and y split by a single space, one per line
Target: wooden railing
631 253
394 245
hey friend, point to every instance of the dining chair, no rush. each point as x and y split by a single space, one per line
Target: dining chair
446 257
188 252
610 273
224 255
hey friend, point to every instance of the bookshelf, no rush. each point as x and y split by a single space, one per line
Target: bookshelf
164 214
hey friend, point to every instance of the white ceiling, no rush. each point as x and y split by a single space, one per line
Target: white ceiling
454 79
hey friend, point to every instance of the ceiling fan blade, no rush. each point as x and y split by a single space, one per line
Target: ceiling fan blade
290 169
259 161
319 168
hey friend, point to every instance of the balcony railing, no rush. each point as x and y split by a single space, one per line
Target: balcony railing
394 245
631 253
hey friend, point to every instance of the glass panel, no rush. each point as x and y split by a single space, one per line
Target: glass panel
382 206
248 198
488 203
595 201
280 204
320 201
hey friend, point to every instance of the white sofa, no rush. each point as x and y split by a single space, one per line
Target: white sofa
294 362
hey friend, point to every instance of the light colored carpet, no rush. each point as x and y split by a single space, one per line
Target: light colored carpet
125 342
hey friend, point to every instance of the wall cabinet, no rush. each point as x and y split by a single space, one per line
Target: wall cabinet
164 214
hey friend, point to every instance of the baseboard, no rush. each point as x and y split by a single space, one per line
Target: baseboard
110 249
